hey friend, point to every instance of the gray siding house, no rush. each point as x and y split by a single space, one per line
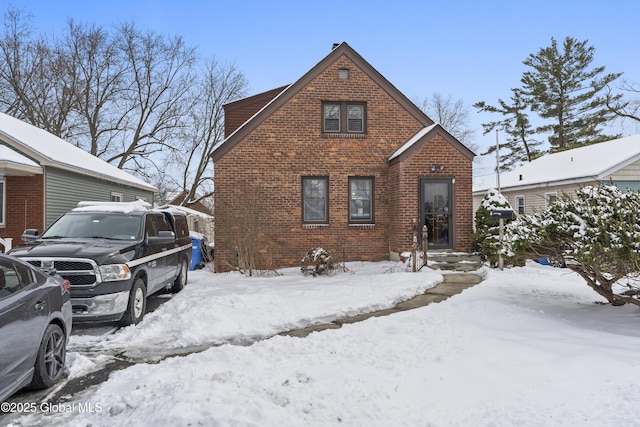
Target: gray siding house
534 185
43 176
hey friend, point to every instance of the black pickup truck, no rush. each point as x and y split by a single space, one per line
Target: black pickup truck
114 255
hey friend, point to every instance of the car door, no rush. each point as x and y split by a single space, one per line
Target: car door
157 264
23 314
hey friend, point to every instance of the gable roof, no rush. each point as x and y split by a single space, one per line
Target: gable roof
14 163
423 135
290 91
47 149
583 164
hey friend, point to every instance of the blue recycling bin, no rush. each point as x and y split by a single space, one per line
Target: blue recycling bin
197 243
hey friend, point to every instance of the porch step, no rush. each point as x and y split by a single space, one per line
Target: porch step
454 261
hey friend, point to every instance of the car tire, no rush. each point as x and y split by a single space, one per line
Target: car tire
181 279
137 306
50 361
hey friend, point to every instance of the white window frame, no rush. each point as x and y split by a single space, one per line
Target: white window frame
3 199
547 198
524 206
116 197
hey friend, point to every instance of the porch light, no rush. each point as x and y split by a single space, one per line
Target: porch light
437 168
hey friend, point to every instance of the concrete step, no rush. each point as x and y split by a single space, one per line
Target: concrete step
454 261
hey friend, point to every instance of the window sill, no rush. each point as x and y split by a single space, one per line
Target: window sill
312 226
344 135
362 225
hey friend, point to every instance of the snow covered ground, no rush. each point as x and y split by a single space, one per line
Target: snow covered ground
527 347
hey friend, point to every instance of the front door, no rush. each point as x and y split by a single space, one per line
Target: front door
436 211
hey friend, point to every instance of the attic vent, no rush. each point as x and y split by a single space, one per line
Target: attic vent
343 73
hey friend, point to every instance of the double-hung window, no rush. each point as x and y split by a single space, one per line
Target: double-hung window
344 117
520 204
361 199
315 200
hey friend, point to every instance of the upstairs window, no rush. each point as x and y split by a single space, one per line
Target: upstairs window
344 117
315 201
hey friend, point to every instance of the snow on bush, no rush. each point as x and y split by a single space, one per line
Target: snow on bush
317 261
486 234
595 233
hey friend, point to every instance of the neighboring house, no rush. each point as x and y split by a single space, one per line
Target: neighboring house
534 185
199 216
340 159
43 176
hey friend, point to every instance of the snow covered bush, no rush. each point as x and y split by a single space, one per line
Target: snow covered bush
596 233
486 234
317 261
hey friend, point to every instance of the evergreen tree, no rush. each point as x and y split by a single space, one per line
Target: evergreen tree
519 146
563 87
595 233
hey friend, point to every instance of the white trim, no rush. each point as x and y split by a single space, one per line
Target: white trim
158 255
3 220
524 203
547 196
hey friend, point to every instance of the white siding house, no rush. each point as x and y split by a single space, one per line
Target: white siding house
534 185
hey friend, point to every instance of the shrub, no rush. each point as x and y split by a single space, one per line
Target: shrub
595 233
317 261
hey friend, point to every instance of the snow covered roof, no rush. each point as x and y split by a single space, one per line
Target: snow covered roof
414 139
188 211
117 207
49 150
593 162
17 164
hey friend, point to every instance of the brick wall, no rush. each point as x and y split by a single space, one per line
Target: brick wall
259 188
25 206
406 174
271 160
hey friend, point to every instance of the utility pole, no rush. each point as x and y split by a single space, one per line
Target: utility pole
497 162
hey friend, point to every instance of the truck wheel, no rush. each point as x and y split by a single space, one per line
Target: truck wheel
137 304
50 360
181 280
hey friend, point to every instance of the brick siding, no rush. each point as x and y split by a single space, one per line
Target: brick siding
25 206
259 188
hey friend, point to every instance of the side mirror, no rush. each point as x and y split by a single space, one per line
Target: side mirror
30 234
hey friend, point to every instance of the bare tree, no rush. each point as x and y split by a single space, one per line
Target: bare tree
625 109
453 115
204 128
36 83
159 76
92 53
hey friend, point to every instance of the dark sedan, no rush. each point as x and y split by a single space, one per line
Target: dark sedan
35 323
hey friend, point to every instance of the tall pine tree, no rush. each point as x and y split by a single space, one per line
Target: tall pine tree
564 88
519 145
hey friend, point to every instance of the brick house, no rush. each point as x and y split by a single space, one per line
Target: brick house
342 160
43 177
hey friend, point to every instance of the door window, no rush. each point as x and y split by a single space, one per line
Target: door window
437 212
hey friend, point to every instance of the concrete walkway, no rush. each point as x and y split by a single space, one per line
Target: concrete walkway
453 284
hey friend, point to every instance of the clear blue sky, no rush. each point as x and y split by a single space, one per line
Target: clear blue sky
467 49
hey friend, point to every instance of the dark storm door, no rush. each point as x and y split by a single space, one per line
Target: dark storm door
436 211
